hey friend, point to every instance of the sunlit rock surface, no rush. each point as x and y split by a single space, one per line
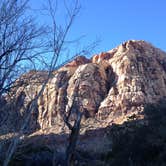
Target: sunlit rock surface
111 87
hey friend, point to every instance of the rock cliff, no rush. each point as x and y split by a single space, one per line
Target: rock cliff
122 93
111 86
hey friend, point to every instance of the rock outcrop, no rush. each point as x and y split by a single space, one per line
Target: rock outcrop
140 79
122 94
111 87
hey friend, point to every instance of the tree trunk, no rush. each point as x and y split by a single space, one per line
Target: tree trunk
73 140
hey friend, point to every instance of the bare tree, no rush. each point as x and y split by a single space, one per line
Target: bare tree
20 39
18 50
74 127
20 43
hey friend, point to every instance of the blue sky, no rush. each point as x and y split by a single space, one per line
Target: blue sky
115 21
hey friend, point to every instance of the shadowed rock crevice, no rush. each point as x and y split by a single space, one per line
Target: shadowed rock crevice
111 78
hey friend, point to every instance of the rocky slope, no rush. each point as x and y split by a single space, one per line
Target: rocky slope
112 87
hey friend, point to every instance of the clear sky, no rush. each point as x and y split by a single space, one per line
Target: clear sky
115 21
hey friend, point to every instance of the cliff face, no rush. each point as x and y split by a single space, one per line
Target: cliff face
140 79
111 87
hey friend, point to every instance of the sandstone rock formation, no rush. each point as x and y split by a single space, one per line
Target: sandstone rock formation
111 87
140 79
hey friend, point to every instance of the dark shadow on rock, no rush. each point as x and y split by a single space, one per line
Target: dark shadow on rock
41 150
38 150
134 143
140 142
14 113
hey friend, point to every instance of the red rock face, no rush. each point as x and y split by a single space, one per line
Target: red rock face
112 86
100 57
78 61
